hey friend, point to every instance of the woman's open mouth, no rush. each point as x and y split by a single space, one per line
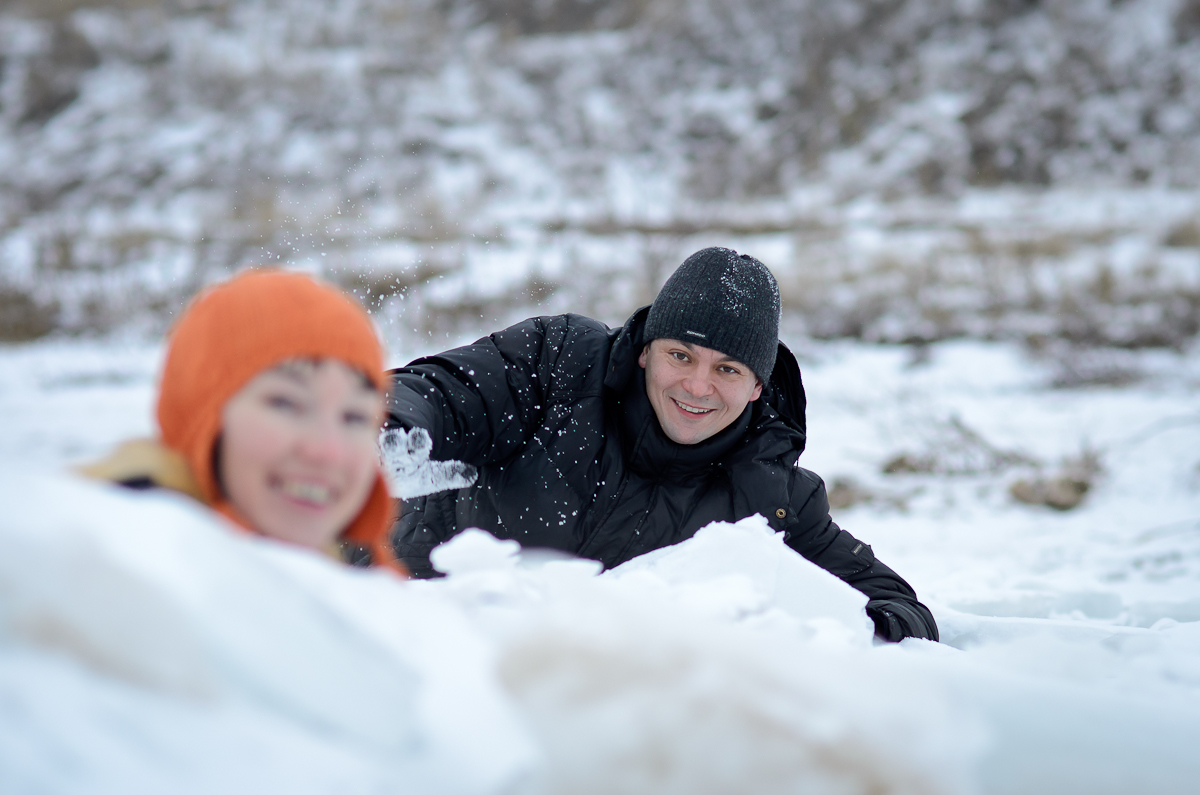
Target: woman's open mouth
313 494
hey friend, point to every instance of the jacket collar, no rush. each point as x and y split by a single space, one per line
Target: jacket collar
651 454
626 348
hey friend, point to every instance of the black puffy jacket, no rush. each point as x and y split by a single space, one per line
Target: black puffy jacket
553 411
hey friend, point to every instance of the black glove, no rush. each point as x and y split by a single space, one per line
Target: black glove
887 626
895 621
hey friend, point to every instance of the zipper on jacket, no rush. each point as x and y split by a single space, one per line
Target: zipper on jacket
637 530
585 547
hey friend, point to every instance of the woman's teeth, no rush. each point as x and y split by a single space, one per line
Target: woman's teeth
308 492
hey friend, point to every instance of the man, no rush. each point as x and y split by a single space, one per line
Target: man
610 443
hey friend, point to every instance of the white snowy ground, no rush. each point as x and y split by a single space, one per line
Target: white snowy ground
143 648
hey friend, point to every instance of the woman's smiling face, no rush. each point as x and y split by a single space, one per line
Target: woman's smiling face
297 452
696 392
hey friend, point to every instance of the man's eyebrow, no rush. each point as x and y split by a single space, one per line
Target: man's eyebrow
725 358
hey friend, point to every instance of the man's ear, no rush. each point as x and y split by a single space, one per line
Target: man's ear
644 354
757 390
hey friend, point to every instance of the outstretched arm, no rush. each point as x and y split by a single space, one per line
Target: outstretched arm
893 604
482 401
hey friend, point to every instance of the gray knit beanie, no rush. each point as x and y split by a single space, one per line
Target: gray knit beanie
721 300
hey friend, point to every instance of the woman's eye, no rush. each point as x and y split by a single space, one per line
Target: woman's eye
679 356
355 418
282 402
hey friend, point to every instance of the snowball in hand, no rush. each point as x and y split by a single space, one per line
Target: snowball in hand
409 470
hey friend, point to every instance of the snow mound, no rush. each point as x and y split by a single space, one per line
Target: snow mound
745 571
144 613
724 664
147 646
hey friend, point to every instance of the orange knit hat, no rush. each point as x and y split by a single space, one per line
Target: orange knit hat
233 331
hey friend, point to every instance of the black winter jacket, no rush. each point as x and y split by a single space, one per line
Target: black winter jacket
553 411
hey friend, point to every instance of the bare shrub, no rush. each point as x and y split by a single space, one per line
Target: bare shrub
61 9
1075 366
1063 489
846 492
520 17
909 464
23 317
954 449
1185 234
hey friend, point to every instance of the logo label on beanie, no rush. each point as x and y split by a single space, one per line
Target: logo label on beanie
697 334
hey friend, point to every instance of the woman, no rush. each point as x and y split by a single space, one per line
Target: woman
269 409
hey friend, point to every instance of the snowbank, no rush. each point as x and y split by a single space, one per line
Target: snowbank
147 646
682 672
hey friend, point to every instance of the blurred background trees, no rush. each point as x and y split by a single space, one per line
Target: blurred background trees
912 171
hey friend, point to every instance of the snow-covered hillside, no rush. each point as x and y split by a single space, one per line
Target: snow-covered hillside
910 170
143 648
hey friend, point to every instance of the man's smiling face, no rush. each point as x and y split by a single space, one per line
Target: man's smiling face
696 392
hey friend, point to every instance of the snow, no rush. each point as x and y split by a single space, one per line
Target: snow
665 678
409 470
147 646
216 636
738 570
932 172
919 172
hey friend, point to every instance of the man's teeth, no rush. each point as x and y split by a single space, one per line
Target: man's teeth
691 410
309 492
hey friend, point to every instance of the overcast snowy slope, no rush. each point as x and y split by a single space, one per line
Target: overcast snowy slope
911 170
